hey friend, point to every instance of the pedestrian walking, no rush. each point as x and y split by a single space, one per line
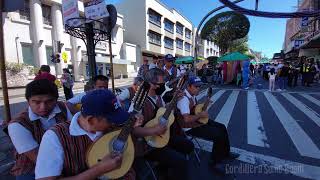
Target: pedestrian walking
67 83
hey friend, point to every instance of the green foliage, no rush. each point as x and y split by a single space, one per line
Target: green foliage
224 28
33 70
239 45
15 68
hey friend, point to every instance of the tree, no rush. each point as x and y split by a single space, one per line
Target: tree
224 28
239 45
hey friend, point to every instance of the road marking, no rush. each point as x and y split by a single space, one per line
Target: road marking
301 140
312 99
304 108
224 115
255 130
269 164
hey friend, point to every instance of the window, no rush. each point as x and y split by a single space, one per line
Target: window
46 14
179 44
168 43
207 42
207 52
154 38
179 28
49 53
27 54
154 17
188 34
168 25
25 12
187 47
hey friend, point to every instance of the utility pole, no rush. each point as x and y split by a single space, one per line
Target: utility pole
3 70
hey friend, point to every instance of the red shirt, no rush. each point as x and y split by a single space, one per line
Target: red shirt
45 75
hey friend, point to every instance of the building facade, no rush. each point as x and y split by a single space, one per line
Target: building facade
302 36
208 48
32 35
156 29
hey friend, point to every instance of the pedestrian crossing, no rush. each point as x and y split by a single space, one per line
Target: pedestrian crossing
284 106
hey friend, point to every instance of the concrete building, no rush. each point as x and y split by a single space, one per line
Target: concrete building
302 36
156 29
208 48
31 35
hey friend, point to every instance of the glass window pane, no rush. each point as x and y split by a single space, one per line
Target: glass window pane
27 54
49 53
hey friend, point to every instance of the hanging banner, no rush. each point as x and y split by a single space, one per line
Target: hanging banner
70 10
95 9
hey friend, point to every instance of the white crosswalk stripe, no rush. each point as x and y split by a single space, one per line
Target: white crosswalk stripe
301 140
226 111
312 99
308 112
255 130
257 134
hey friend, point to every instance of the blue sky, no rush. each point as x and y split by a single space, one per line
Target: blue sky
266 35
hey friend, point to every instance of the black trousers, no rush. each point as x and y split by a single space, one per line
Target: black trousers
173 157
216 132
68 92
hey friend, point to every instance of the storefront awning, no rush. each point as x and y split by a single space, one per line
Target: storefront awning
106 59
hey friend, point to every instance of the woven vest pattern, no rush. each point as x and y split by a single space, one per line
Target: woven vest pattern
23 164
179 117
75 148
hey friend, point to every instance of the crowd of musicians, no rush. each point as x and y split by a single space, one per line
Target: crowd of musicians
51 138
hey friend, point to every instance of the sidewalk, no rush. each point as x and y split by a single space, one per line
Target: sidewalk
17 95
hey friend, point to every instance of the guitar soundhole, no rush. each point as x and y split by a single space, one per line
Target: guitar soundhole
163 121
99 160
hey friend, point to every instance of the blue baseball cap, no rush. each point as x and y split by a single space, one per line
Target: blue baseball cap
103 103
195 81
169 57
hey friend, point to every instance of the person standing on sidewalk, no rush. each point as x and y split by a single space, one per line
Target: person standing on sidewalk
143 68
44 73
26 131
67 83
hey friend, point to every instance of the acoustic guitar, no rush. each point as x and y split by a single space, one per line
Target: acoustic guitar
203 107
119 141
165 117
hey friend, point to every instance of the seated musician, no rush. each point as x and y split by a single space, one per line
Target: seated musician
100 82
27 129
126 95
171 156
63 148
213 131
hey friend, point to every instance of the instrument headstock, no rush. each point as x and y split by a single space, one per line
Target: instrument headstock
140 96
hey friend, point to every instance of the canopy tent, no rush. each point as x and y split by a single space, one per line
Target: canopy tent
187 60
233 56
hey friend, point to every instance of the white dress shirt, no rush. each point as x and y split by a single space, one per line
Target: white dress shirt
22 138
77 99
184 104
51 146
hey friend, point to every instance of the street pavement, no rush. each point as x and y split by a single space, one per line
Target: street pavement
275 133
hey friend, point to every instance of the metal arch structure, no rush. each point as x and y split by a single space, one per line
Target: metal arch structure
234 7
245 11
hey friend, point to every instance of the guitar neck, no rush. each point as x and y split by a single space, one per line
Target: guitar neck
126 130
206 104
